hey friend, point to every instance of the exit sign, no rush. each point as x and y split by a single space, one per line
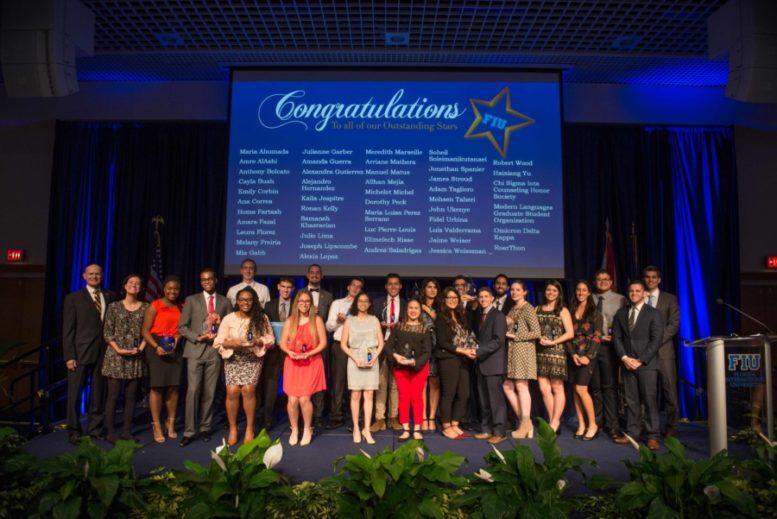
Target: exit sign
14 255
771 262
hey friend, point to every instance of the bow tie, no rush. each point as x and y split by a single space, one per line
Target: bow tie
313 289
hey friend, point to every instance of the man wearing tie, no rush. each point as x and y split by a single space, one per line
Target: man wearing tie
491 368
502 301
389 309
278 310
198 324
321 299
248 271
667 306
83 349
339 377
637 332
604 384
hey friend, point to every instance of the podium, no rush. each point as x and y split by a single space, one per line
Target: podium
735 363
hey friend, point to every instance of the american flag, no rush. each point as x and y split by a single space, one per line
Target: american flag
608 260
155 276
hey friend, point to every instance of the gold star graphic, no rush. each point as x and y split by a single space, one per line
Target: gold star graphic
497 123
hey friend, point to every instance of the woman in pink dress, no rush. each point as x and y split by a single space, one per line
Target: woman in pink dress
303 339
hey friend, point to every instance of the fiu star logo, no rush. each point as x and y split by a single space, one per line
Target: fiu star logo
492 120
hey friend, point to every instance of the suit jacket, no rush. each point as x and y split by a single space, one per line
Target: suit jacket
324 301
669 309
380 302
273 309
509 304
644 340
82 327
193 317
491 353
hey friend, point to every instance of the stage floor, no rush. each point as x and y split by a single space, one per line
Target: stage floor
316 460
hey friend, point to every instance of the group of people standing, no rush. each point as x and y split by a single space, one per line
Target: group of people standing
462 356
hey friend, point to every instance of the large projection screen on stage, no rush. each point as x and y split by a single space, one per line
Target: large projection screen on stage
424 173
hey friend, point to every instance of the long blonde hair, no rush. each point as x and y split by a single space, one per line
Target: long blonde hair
294 317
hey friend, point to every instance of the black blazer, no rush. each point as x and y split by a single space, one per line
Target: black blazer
273 309
491 353
644 340
82 328
378 303
509 304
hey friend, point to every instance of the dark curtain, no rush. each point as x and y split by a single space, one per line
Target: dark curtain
108 181
669 195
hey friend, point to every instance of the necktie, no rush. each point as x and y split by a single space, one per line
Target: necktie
652 300
482 318
600 304
98 303
391 312
211 304
632 317
283 313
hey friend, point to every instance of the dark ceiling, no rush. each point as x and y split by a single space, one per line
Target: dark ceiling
629 41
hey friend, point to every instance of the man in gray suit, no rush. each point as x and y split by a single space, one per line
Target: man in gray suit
667 306
322 299
199 321
637 332
83 348
491 366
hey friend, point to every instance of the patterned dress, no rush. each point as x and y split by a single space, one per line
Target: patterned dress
522 350
588 338
124 328
242 367
551 360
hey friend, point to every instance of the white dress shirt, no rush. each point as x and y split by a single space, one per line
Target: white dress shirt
102 301
261 291
339 306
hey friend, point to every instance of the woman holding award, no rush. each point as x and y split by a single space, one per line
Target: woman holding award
455 351
160 331
303 339
556 327
409 347
582 349
430 307
523 330
362 342
243 338
124 357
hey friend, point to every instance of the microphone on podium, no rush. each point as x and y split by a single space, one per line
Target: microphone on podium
740 312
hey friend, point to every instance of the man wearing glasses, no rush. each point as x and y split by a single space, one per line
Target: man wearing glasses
604 385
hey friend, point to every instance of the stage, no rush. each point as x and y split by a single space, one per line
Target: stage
316 461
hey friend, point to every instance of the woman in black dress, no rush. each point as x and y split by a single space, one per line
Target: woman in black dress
582 350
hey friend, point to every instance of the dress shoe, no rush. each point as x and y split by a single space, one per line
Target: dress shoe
671 433
186 440
394 424
205 436
482 436
334 424
495 440
652 444
379 425
621 440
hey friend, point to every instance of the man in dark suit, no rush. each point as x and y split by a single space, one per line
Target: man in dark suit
322 299
667 306
390 309
491 365
502 300
278 310
637 332
83 348
202 313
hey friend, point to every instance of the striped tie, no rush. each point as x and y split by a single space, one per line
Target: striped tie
632 318
98 303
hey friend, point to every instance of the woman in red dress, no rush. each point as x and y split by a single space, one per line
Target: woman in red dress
303 339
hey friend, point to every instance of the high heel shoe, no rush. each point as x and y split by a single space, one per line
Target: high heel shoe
159 436
357 435
307 436
368 437
526 429
404 436
294 436
417 435
593 437
171 428
232 438
580 435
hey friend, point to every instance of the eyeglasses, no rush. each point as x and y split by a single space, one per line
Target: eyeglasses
608 280
245 300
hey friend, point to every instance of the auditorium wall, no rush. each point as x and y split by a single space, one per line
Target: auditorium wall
27 136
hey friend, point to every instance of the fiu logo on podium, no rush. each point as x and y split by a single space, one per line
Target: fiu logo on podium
495 120
744 361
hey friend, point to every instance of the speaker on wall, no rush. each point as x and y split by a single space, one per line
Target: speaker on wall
38 39
747 31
